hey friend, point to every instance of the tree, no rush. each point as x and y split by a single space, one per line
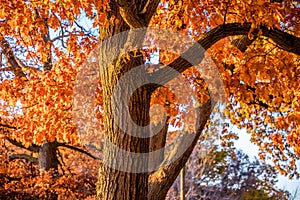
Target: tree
236 177
228 178
217 172
43 43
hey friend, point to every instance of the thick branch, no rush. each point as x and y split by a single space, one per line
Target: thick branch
196 52
78 149
158 142
23 156
137 18
283 39
159 139
7 126
33 147
15 63
162 179
150 9
130 16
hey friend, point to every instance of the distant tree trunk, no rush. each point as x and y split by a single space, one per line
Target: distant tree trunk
47 159
47 156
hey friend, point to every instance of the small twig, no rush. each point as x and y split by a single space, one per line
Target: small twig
227 3
62 31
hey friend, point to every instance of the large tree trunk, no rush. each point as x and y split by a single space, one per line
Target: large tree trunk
113 182
118 181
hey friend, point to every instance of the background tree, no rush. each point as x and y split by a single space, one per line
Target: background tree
234 176
217 172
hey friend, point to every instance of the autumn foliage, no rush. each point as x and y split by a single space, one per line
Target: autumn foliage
254 44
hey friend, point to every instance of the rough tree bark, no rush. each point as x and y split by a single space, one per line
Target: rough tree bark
47 156
113 183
